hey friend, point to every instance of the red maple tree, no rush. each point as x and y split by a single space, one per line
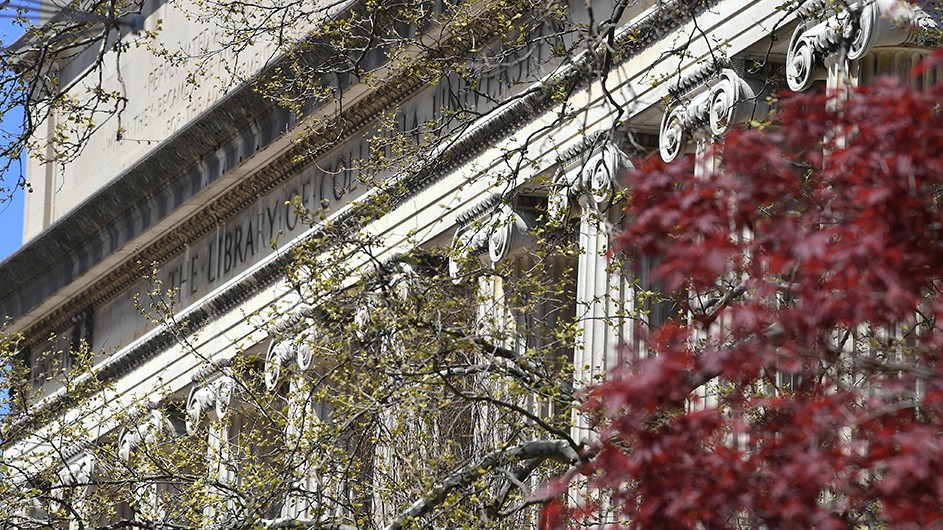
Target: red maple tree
809 268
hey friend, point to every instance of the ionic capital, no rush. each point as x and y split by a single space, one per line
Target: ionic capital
860 27
79 472
211 398
710 108
146 429
505 231
592 183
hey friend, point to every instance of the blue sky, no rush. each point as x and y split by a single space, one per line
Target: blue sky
11 214
11 225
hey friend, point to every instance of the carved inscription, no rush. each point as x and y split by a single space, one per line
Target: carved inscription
175 95
235 245
245 239
260 229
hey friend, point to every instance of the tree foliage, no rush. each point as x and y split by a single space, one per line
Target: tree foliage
801 387
409 384
394 402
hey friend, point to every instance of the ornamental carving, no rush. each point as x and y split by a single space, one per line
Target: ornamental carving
209 399
505 232
363 316
805 58
710 108
79 473
405 281
471 241
596 181
893 23
76 477
146 429
295 352
861 27
510 231
279 356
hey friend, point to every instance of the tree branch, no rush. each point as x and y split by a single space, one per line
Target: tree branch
559 450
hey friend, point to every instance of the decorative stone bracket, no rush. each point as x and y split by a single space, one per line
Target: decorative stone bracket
596 181
862 26
710 108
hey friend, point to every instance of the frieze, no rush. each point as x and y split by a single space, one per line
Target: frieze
260 228
411 116
168 162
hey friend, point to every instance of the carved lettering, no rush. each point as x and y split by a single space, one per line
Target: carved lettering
248 236
249 250
272 212
227 263
210 277
237 245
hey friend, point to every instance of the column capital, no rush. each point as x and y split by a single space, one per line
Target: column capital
209 398
79 471
592 183
492 234
708 103
145 428
858 28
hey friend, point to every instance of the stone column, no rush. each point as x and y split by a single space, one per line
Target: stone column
75 481
288 361
500 234
600 282
208 407
604 294
146 431
494 233
708 102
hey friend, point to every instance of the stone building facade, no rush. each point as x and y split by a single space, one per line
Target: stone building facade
200 190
